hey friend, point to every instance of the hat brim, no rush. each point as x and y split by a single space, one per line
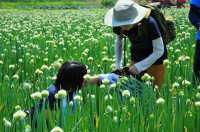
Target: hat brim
111 21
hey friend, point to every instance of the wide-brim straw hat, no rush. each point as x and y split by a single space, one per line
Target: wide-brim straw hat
125 12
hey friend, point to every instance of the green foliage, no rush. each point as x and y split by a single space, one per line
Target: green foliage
107 2
33 42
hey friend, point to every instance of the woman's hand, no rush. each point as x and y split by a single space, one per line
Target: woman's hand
133 69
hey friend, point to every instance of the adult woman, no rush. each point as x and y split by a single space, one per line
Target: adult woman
147 48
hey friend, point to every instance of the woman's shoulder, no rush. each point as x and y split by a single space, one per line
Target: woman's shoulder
151 20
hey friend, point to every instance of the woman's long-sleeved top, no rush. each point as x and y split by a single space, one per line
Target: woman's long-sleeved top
146 49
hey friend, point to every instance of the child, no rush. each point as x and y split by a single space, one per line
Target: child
71 78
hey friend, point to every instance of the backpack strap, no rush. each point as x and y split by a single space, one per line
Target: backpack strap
148 12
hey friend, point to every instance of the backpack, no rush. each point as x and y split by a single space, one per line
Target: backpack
167 27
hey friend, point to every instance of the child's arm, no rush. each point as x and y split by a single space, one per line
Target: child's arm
111 77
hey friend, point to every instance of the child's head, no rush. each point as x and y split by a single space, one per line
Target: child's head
70 76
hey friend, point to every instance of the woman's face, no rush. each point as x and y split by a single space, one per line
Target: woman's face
127 27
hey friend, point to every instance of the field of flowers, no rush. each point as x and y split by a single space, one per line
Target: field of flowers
34 44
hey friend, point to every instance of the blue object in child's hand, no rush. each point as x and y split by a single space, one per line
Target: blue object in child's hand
112 77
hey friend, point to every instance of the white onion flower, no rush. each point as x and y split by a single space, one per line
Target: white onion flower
105 81
146 77
109 109
16 76
27 128
175 85
160 101
132 100
197 103
166 62
1 62
11 66
102 86
19 115
78 98
56 65
186 82
87 77
108 97
7 123
71 103
115 119
57 129
26 85
61 94
45 93
18 107
126 93
36 95
112 86
90 59
44 67
38 72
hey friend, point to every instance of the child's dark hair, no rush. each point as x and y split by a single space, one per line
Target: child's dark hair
70 77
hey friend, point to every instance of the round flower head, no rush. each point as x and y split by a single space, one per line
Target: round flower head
62 94
197 104
36 95
109 109
105 81
27 128
57 129
17 107
78 98
19 115
7 123
160 101
126 93
166 62
87 77
26 85
56 65
45 93
102 86
38 72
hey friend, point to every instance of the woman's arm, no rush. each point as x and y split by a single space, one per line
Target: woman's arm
158 50
118 51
